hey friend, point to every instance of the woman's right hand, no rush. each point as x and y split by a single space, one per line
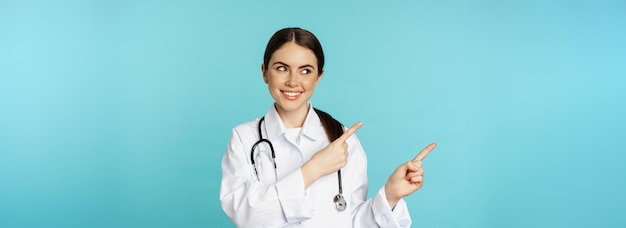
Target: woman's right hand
328 160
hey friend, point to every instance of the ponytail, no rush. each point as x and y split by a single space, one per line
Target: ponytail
333 128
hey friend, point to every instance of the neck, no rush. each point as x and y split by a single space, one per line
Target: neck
292 119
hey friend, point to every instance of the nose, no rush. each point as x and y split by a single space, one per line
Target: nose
293 80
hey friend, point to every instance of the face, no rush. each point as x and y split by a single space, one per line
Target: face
291 76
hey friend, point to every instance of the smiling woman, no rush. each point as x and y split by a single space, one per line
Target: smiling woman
289 176
291 80
116 113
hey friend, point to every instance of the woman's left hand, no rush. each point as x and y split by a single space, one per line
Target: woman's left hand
407 178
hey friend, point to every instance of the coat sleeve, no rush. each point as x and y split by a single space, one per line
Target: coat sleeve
250 203
374 212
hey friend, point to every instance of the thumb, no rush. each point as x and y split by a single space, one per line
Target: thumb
402 169
413 165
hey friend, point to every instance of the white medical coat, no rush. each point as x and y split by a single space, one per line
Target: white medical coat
286 203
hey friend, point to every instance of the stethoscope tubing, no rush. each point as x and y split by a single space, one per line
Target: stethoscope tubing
339 201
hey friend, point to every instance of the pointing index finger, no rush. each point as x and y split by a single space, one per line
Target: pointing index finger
425 152
350 132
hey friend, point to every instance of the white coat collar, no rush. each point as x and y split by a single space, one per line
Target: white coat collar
311 128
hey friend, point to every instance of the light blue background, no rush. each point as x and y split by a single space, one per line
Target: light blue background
117 113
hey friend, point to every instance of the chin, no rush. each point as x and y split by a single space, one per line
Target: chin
290 106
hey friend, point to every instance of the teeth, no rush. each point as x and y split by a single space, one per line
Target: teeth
291 94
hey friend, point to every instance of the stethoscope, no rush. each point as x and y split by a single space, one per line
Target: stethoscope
338 200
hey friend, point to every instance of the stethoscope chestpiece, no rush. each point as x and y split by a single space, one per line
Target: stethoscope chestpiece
340 202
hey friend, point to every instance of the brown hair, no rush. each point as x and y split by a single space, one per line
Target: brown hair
332 127
299 36
304 38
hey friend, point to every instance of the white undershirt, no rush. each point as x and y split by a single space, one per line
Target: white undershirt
293 134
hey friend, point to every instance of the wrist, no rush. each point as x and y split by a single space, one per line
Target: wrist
309 174
391 198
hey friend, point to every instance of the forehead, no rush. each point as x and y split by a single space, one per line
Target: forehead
294 54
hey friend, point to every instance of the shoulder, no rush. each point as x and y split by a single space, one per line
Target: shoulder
244 135
247 128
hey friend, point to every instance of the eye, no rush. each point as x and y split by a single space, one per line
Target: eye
281 68
305 71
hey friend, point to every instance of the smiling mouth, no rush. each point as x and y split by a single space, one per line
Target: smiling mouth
291 95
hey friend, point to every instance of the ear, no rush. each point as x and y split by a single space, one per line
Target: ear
319 77
263 71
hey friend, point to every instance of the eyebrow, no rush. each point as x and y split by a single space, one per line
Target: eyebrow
304 66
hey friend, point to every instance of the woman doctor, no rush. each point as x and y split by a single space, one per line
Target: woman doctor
293 168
